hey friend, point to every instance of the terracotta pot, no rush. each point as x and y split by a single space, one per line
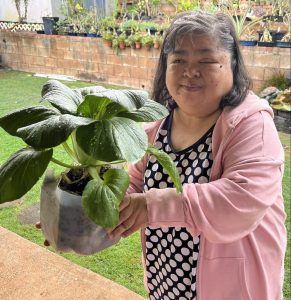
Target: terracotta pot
108 43
122 46
156 45
64 223
137 45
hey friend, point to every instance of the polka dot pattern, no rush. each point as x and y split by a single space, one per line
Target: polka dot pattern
171 253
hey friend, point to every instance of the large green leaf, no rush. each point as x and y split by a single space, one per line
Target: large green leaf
114 139
101 199
150 112
51 132
20 173
165 160
99 108
25 117
62 97
130 99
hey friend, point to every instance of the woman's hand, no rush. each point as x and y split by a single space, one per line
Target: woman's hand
133 215
38 226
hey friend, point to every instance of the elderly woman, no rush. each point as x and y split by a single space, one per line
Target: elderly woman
223 238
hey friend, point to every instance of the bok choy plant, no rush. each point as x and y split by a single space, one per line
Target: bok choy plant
97 127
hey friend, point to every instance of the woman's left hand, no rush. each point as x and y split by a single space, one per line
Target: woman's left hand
133 215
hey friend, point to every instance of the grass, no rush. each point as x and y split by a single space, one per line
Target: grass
121 263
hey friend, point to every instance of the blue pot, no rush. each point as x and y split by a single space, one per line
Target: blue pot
91 34
266 44
248 43
281 44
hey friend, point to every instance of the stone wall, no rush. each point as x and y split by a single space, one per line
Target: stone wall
91 59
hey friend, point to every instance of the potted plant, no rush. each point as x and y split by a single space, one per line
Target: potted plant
138 40
130 41
92 32
285 41
157 40
108 37
266 39
147 41
121 40
99 129
249 39
242 20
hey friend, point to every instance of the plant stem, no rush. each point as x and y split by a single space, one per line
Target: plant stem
94 172
69 151
64 164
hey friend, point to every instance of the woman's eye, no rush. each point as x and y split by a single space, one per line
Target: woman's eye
177 61
208 62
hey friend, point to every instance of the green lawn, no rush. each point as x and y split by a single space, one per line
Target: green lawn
121 263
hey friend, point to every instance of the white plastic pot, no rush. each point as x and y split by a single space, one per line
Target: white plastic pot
65 225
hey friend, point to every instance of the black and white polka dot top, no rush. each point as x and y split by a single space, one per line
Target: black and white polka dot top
171 253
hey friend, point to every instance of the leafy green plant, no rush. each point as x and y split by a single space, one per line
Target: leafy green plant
188 5
147 40
249 36
98 128
278 80
239 15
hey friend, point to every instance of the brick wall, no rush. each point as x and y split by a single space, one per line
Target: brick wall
91 59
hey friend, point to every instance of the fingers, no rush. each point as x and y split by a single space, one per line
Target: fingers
46 243
122 228
38 226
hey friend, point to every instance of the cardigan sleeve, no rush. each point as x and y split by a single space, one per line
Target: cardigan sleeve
228 208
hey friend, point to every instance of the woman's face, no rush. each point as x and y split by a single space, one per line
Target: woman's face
198 75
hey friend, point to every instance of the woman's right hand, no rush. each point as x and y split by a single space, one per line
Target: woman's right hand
133 215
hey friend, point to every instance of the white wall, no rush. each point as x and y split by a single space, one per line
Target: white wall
36 10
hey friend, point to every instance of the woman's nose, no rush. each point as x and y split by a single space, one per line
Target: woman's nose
191 72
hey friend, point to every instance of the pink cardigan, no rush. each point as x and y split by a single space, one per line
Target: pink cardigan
239 214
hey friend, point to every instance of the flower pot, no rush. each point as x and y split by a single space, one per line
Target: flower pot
148 47
281 44
248 43
266 44
64 223
92 34
122 45
108 43
156 45
137 45
50 25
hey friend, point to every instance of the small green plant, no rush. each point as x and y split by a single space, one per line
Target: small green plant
147 40
250 35
266 36
107 35
278 80
188 5
240 19
97 128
